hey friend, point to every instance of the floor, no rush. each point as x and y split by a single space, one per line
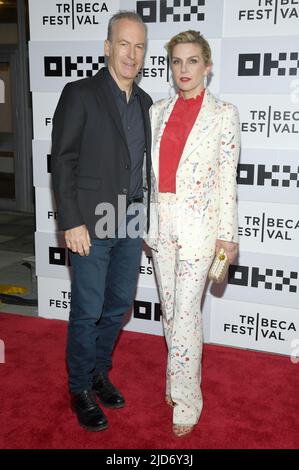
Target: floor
17 264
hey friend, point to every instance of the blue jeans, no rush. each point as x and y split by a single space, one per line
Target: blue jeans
103 289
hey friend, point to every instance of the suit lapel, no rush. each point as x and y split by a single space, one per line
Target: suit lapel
203 123
147 126
103 93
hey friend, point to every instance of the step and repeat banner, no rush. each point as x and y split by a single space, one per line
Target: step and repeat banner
255 47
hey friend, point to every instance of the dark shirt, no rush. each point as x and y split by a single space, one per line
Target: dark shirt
133 125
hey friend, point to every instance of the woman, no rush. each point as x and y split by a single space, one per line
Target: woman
195 151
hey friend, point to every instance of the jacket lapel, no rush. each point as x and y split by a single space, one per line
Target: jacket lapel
103 93
203 123
148 137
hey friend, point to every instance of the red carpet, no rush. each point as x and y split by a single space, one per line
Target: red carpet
251 399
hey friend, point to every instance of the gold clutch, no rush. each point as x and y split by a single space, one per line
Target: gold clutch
219 267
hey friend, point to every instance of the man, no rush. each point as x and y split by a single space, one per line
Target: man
101 129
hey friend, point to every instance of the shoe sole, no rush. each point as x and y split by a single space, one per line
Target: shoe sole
101 427
98 428
122 405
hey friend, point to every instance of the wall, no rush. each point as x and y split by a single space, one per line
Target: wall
255 54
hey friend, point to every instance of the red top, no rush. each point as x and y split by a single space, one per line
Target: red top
174 138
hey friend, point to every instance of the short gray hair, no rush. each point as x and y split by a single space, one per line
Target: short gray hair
123 14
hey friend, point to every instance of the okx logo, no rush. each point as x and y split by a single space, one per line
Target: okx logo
268 278
68 66
268 64
284 176
171 11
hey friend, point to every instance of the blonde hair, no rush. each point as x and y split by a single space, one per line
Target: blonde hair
193 37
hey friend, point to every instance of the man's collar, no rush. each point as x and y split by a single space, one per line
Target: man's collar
115 88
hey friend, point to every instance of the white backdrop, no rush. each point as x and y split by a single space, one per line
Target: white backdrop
255 46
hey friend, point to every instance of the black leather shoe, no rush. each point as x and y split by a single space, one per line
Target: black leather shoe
108 395
89 414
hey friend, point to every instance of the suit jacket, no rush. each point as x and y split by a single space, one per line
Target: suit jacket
205 180
90 155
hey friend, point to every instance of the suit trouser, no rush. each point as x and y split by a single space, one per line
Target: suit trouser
103 290
181 284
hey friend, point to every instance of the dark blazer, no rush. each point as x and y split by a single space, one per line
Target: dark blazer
90 157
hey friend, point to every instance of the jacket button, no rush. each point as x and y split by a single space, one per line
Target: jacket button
127 166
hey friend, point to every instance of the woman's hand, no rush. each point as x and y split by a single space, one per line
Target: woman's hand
230 248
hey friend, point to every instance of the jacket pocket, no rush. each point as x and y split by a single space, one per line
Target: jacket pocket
89 183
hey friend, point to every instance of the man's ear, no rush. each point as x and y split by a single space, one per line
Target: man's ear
107 47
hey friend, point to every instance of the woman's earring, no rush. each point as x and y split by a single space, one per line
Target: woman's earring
205 81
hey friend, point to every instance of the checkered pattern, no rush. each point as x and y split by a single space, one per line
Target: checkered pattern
94 64
294 70
258 279
240 275
286 281
292 176
167 11
271 64
264 175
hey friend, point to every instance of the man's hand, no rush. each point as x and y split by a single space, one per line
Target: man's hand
230 248
78 240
